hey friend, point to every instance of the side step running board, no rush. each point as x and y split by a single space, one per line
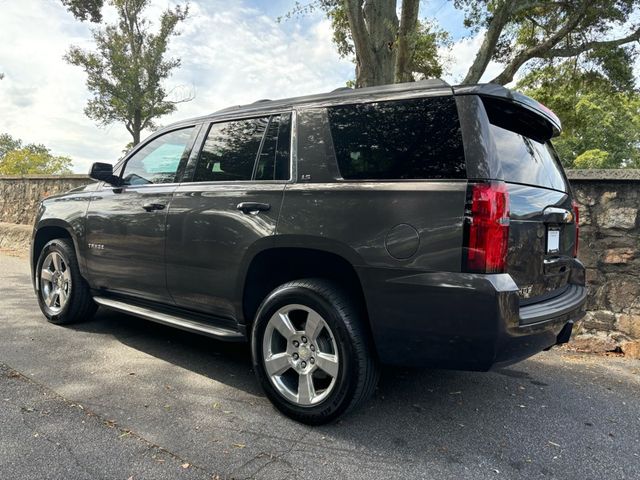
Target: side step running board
171 320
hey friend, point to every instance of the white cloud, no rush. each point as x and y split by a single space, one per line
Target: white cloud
230 53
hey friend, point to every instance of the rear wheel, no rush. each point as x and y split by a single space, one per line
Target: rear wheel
311 352
63 294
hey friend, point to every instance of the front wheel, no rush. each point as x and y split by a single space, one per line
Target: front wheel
63 294
311 351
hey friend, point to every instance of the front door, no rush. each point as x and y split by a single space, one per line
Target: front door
125 226
229 209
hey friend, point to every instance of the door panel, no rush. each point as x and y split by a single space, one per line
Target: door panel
208 238
126 242
125 225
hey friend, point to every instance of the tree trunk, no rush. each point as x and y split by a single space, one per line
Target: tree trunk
136 128
406 44
374 26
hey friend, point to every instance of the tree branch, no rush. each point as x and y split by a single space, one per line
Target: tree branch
488 47
538 51
578 49
359 32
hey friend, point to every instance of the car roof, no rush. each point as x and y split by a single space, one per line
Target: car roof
346 95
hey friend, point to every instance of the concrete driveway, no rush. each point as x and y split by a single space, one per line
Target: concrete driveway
119 397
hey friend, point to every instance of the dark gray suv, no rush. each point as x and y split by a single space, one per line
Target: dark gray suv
414 224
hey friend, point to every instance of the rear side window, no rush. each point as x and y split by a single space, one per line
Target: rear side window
273 162
251 149
524 153
398 140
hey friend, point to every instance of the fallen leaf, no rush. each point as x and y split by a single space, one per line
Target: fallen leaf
185 465
239 445
554 444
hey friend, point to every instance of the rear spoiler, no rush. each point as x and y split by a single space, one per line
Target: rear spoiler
498 92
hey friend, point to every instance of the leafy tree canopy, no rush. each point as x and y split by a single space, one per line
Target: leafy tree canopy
126 71
600 113
16 159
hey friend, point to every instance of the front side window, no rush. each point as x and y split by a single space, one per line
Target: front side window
158 160
251 149
398 140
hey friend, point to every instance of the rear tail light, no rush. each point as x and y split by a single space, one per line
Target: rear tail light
576 218
486 228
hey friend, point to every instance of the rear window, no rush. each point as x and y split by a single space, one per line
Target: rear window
398 140
524 160
525 155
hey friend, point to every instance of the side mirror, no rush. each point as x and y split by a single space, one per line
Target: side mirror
104 173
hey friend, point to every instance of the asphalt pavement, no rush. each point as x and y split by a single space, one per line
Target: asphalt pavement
122 398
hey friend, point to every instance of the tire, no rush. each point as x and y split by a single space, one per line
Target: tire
73 302
307 332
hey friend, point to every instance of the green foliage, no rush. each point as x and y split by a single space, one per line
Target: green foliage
85 9
16 159
601 122
595 158
517 33
126 71
427 62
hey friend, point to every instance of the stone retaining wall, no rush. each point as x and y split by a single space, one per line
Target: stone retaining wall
610 249
609 242
19 196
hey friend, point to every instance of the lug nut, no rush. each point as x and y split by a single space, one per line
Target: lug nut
295 356
312 360
303 364
304 339
313 348
296 343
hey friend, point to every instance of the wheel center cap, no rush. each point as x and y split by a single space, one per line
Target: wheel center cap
304 353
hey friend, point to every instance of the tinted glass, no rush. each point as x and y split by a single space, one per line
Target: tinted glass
524 160
408 139
230 151
273 162
158 160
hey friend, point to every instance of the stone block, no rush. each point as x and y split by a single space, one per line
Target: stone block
629 324
600 320
618 255
618 217
621 293
631 349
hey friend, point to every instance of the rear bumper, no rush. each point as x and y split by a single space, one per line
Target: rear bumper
464 321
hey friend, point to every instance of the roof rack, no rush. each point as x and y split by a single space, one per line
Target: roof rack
262 100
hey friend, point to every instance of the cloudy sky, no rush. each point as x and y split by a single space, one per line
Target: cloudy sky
232 51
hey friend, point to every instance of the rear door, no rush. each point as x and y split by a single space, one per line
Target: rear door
228 209
542 230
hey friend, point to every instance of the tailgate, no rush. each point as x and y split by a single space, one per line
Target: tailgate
543 227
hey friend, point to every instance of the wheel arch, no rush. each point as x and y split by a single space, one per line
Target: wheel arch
46 231
285 262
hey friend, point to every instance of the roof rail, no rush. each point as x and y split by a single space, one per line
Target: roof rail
262 100
228 109
433 82
342 89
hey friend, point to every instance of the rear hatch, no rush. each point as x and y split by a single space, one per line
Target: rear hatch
542 238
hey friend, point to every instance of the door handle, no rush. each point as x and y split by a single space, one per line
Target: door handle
557 215
149 207
253 207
